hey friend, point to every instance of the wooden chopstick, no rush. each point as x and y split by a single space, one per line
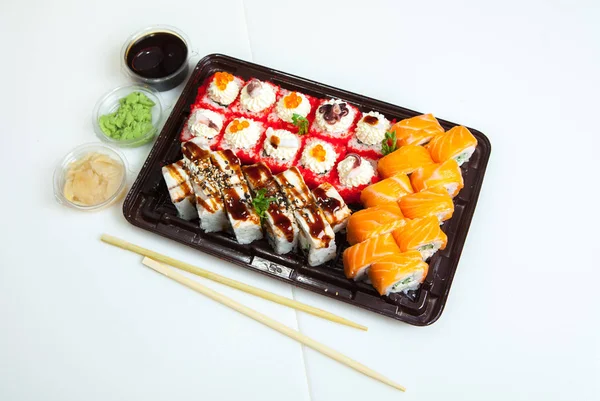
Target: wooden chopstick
267 321
109 239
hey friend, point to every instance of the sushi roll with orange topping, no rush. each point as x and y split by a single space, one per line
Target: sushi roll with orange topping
317 161
373 221
293 111
334 120
435 202
220 91
280 149
358 258
417 130
446 175
256 100
385 191
423 235
404 160
458 144
243 136
398 273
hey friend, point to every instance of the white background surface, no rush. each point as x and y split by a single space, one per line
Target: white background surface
81 320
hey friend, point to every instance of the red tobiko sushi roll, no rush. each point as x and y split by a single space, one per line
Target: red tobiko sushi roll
205 125
244 137
293 111
256 100
317 161
219 91
369 134
334 121
280 149
353 174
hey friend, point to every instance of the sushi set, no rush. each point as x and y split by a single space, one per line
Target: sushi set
353 198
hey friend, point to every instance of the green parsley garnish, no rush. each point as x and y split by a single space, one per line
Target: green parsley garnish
261 203
301 123
388 145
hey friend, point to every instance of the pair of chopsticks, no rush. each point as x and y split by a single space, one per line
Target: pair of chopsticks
229 282
153 260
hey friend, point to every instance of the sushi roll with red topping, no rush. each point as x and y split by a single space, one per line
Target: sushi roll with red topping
317 161
221 90
354 173
334 121
369 134
280 149
292 110
256 100
204 124
243 136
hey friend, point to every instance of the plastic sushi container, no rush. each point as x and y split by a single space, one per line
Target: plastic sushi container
148 206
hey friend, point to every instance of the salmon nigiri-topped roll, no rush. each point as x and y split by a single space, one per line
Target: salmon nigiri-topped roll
359 257
417 130
404 160
446 175
423 235
435 202
373 221
458 144
398 273
385 191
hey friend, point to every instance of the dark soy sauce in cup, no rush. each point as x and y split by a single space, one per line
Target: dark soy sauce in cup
156 55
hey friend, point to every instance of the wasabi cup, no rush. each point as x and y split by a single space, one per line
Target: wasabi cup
109 103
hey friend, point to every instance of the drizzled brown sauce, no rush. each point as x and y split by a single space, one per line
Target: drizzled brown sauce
231 158
257 174
175 172
206 205
275 141
316 224
371 120
299 196
237 205
329 204
281 221
187 191
194 152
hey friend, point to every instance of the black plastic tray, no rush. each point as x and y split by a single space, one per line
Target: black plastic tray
148 206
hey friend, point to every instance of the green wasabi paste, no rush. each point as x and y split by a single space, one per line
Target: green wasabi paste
132 120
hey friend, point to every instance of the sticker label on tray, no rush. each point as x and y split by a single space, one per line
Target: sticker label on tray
272 268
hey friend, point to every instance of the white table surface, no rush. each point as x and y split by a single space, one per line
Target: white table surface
80 320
